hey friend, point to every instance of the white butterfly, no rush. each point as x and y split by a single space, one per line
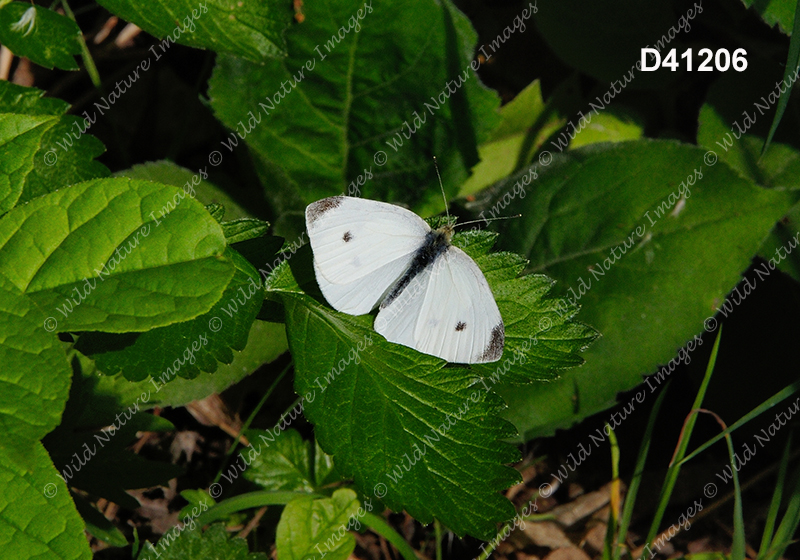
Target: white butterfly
432 296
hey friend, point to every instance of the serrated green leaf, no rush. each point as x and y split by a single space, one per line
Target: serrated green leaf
53 155
252 30
361 70
588 203
184 349
775 12
109 255
47 38
244 229
37 517
284 465
541 339
191 543
19 137
108 395
310 527
35 376
377 405
286 462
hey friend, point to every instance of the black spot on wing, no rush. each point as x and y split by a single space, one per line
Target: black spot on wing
347 236
315 210
494 349
461 325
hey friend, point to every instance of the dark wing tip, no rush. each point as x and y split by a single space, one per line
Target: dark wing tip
315 210
494 349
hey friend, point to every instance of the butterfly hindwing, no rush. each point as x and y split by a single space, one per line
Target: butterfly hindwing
448 311
361 247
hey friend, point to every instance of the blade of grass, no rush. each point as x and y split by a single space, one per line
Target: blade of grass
770 402
379 525
250 419
630 497
739 542
248 501
775 503
611 529
792 65
680 450
789 523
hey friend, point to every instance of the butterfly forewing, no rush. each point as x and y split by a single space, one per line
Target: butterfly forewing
361 247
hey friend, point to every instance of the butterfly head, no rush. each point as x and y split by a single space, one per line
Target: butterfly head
446 231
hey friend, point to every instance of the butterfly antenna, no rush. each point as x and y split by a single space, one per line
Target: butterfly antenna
441 186
486 220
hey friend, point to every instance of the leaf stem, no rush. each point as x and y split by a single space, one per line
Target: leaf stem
88 61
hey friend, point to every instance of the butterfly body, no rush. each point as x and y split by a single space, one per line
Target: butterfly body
432 295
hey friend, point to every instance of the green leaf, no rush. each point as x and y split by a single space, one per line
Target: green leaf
777 168
585 207
309 527
50 156
184 349
244 229
329 114
47 38
198 500
169 173
97 524
384 411
540 338
612 125
775 12
110 255
109 395
191 543
91 453
35 376
252 30
509 143
37 517
789 76
286 463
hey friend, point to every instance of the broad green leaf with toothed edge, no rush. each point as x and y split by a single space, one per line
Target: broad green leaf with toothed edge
588 205
360 70
116 255
184 349
192 543
48 157
284 462
311 527
252 30
424 436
